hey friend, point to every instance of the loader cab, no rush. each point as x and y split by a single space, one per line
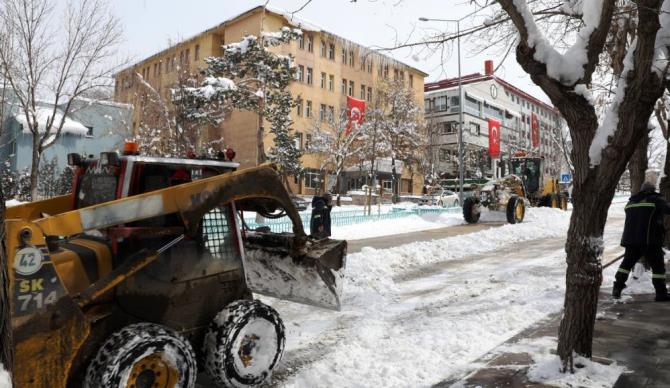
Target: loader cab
530 172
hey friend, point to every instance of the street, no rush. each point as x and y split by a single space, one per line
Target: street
416 325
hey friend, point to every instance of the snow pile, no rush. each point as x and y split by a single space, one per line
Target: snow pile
412 223
13 202
546 367
42 116
5 378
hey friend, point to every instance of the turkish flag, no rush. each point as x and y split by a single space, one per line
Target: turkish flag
355 111
535 130
494 138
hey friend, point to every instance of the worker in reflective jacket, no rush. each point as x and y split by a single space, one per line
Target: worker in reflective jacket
643 235
320 220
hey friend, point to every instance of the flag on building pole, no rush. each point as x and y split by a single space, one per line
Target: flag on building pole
535 130
494 138
355 111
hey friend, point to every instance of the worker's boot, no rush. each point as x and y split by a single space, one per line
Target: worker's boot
617 288
661 289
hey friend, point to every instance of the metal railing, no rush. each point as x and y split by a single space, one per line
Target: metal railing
347 217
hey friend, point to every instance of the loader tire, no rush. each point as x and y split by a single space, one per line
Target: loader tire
470 210
143 355
244 344
564 202
555 201
516 210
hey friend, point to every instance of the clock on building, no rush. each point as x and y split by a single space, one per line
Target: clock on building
494 91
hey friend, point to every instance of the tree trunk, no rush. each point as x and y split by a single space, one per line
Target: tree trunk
260 150
637 166
584 272
34 169
6 343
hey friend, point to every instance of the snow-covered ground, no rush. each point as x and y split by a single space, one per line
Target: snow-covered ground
5 380
418 314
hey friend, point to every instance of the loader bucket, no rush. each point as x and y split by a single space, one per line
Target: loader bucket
311 276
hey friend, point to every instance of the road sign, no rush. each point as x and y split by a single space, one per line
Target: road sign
566 178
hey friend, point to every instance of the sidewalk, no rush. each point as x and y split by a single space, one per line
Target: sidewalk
635 334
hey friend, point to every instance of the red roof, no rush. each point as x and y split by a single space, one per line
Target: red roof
478 77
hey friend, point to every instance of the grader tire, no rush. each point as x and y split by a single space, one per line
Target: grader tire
143 355
516 210
470 213
244 344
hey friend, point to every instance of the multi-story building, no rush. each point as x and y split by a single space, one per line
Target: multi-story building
488 96
329 68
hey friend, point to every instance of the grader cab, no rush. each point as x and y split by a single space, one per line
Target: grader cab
145 273
541 189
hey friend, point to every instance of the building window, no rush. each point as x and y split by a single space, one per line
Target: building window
351 88
300 73
310 76
369 93
395 74
454 101
344 55
426 105
370 66
386 71
313 178
449 127
174 60
331 83
363 64
197 52
441 103
411 81
344 86
475 129
297 139
402 76
298 107
323 80
310 43
308 139
155 69
362 92
331 113
322 112
181 57
308 109
351 58
301 42
187 56
323 49
444 155
331 51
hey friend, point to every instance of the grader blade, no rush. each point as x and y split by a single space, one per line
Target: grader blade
312 276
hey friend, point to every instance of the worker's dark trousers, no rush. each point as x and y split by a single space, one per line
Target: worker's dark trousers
654 256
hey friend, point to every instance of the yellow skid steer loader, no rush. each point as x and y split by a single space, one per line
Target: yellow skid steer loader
145 274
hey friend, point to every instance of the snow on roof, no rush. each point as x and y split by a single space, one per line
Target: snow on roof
92 101
43 114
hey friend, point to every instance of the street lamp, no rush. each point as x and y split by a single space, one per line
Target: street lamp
461 102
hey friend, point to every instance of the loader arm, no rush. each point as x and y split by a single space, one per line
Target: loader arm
191 200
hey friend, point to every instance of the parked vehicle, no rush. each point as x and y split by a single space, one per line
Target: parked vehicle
441 198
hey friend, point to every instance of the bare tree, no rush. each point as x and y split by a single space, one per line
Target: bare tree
54 57
336 142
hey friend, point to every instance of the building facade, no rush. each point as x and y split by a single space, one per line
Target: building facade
489 97
91 127
328 69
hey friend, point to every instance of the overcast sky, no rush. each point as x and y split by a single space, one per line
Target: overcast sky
151 24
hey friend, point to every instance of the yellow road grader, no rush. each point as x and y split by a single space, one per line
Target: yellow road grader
144 275
527 185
